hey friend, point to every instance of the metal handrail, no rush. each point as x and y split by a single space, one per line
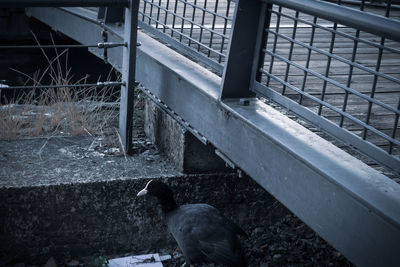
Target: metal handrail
367 22
354 38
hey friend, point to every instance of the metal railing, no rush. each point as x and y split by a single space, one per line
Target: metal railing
315 59
336 68
270 147
198 28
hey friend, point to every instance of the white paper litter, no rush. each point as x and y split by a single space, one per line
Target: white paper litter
147 260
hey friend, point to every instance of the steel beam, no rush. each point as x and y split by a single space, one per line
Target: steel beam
352 206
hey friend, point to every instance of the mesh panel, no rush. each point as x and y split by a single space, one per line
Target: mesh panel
349 77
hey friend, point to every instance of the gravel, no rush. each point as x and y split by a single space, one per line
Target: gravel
289 242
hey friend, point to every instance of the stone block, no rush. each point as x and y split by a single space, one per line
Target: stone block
35 227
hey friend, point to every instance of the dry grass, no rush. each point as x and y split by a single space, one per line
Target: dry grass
9 124
61 111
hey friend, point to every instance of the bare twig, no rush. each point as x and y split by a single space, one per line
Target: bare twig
91 144
24 74
47 140
122 145
86 131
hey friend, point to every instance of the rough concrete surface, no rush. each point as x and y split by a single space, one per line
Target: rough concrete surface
65 160
78 200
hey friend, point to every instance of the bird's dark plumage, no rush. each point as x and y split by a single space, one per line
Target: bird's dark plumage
201 231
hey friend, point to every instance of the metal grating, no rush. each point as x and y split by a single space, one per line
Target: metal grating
343 80
198 28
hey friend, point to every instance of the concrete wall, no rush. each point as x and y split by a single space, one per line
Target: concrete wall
74 220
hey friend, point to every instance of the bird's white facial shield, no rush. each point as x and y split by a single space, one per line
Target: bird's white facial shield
144 190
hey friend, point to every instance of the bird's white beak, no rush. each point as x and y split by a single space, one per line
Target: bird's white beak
144 190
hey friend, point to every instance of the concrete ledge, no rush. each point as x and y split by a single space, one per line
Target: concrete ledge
74 201
75 220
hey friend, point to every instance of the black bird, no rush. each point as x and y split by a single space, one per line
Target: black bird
201 231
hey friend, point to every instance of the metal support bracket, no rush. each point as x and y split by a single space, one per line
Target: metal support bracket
242 44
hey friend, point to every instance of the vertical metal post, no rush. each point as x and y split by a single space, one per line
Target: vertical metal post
101 13
128 75
247 30
110 14
113 14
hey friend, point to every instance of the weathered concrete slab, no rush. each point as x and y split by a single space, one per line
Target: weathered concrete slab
78 198
54 161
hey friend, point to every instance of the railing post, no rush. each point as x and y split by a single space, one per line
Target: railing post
111 14
246 35
128 75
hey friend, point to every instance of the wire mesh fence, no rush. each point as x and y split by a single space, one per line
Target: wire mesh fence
348 77
200 27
